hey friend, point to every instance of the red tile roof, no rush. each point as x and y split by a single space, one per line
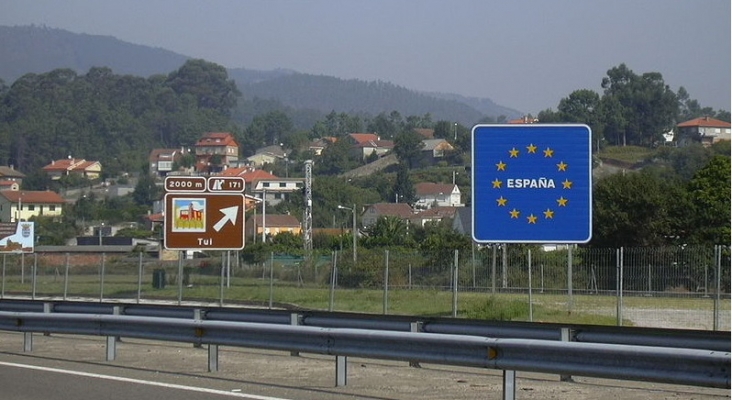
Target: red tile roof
704 122
32 197
361 138
427 188
401 210
69 164
217 139
276 220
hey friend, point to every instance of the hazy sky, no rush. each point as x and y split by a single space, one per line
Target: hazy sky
523 54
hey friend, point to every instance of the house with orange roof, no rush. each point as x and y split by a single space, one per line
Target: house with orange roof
317 146
271 225
21 205
704 130
526 119
373 212
437 194
11 174
9 185
365 144
73 166
215 151
434 214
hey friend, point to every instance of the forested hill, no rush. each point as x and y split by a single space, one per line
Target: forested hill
38 49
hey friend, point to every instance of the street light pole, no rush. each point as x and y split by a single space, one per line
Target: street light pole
454 130
353 232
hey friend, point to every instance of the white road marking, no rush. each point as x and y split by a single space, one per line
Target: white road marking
143 382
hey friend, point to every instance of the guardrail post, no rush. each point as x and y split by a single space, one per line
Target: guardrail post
566 336
47 309
197 317
27 342
295 320
112 340
509 385
415 327
213 358
341 371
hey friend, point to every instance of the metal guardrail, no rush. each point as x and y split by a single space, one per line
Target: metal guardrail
654 364
672 338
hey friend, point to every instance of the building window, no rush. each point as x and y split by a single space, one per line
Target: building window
283 184
52 208
31 207
265 184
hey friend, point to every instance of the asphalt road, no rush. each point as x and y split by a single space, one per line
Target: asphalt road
73 368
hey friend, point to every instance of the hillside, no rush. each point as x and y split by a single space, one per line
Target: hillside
38 49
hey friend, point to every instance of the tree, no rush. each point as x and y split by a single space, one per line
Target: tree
647 104
146 191
636 209
207 83
709 191
403 189
387 231
407 147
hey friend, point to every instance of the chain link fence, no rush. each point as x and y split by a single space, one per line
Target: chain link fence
669 287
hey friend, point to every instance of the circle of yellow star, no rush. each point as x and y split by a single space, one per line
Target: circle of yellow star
502 201
513 152
562 202
531 148
548 152
501 166
567 184
514 213
548 214
562 166
531 218
497 184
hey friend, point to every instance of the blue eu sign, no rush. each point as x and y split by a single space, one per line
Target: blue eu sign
532 183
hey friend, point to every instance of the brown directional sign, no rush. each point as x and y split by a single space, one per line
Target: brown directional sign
205 221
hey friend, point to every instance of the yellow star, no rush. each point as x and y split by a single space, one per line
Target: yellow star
501 166
562 201
513 152
567 184
502 201
548 152
514 213
562 166
497 184
548 214
531 218
531 148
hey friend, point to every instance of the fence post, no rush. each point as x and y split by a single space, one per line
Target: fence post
493 269
180 277
2 289
509 385
531 306
386 281
455 285
619 285
66 277
718 266
566 336
101 279
504 261
333 275
111 340
139 277
271 279
34 271
570 265
221 286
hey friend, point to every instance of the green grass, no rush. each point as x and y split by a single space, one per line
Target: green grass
629 154
585 309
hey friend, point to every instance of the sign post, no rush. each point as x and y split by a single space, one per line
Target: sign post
204 213
532 183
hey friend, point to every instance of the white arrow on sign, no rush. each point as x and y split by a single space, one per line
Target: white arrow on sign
230 214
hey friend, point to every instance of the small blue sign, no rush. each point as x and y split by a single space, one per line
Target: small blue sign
532 183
